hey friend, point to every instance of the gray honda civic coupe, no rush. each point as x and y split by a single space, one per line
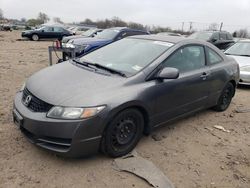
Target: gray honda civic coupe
107 99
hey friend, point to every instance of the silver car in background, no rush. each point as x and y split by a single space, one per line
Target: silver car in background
240 51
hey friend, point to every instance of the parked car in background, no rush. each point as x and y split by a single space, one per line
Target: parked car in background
5 27
78 30
107 36
46 32
108 98
221 39
88 33
169 34
240 51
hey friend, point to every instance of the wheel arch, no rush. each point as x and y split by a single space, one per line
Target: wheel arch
132 105
234 84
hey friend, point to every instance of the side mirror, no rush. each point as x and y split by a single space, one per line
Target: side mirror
42 30
168 73
214 40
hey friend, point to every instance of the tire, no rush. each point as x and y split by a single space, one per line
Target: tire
35 37
225 98
123 133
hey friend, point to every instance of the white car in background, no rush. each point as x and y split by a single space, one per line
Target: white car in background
240 51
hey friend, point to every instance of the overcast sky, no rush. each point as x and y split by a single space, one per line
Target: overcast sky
234 13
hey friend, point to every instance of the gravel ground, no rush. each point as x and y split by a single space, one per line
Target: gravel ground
191 152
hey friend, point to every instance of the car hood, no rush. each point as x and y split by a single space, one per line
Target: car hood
66 39
27 31
241 60
67 84
87 41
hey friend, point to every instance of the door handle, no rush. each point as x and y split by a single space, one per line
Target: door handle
204 75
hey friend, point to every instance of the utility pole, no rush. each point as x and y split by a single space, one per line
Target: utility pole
221 25
190 26
182 27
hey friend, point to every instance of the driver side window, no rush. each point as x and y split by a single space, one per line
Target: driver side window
48 29
186 59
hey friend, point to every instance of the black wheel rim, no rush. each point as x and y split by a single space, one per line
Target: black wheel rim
124 132
226 98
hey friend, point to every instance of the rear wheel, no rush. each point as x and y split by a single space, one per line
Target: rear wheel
35 37
123 133
225 98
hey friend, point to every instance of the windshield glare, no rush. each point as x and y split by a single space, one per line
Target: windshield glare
107 34
201 36
128 55
240 48
88 32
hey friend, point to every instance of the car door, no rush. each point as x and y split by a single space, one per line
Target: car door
190 91
47 32
58 32
216 65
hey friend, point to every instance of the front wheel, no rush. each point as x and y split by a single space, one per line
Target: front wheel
35 37
123 133
225 98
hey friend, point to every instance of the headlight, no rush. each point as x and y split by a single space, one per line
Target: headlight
81 48
69 45
23 86
59 112
245 68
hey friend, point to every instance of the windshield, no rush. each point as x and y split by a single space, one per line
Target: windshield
127 55
88 32
107 34
201 36
239 48
40 28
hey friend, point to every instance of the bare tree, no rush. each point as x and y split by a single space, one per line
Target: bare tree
1 14
213 27
57 20
242 33
117 22
134 25
88 21
43 17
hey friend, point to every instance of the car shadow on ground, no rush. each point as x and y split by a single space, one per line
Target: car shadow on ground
245 87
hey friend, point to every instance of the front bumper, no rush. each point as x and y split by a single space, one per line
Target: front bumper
70 138
244 78
26 35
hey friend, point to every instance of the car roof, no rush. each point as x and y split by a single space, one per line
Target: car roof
164 38
209 31
126 28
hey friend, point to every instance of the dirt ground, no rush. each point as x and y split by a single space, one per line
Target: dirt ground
190 152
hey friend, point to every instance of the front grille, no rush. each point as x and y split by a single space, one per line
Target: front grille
36 104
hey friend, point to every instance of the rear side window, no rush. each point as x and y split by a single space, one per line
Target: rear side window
223 36
213 57
58 29
215 36
229 36
187 59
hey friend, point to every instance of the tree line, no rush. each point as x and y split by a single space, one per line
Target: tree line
117 22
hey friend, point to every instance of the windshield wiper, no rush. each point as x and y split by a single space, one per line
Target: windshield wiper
245 55
90 65
109 69
86 64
